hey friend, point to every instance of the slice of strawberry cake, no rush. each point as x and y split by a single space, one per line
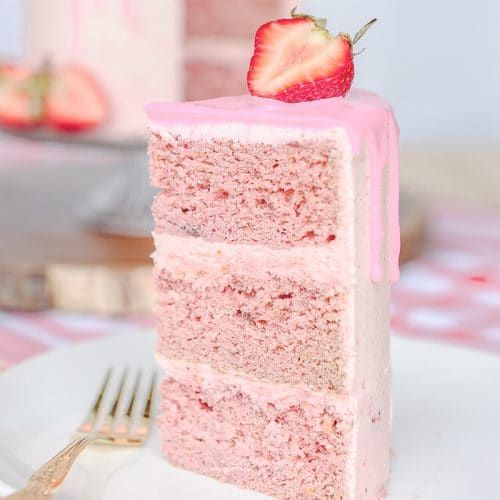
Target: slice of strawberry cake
277 239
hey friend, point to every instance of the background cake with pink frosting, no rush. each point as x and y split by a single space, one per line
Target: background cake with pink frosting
139 51
277 239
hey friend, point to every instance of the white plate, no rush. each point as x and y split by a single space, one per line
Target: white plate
446 439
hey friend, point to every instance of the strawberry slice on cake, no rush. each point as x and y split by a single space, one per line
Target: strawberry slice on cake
297 59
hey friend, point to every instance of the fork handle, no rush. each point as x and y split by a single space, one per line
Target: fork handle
51 475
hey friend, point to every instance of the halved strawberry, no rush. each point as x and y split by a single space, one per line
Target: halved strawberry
297 59
21 97
74 103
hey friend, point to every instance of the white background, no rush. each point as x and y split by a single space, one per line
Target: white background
437 61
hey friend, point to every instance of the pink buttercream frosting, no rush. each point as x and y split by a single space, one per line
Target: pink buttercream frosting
367 119
269 392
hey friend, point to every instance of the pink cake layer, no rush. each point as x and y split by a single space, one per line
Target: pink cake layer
280 440
283 315
223 190
223 18
272 326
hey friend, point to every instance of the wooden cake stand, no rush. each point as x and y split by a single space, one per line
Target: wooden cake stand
49 259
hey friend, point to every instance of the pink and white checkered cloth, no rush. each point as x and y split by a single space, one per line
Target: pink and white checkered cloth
450 293
23 335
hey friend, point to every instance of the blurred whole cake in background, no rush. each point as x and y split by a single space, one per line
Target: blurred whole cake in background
131 52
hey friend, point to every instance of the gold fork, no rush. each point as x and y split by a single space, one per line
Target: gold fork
116 430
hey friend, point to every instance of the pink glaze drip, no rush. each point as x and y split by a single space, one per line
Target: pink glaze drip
376 203
394 231
363 115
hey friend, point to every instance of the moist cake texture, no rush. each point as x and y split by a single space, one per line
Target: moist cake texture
281 197
276 242
281 440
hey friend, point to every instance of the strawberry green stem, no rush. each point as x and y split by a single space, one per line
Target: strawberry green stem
320 23
39 87
361 33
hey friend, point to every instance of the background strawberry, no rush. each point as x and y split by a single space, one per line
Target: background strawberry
74 102
22 95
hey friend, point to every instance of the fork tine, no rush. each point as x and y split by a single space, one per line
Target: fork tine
124 428
143 429
88 425
119 393
110 421
133 397
149 402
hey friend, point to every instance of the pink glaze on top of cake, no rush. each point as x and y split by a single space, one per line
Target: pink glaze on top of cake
363 115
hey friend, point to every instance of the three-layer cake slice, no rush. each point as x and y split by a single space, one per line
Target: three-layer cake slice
276 242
